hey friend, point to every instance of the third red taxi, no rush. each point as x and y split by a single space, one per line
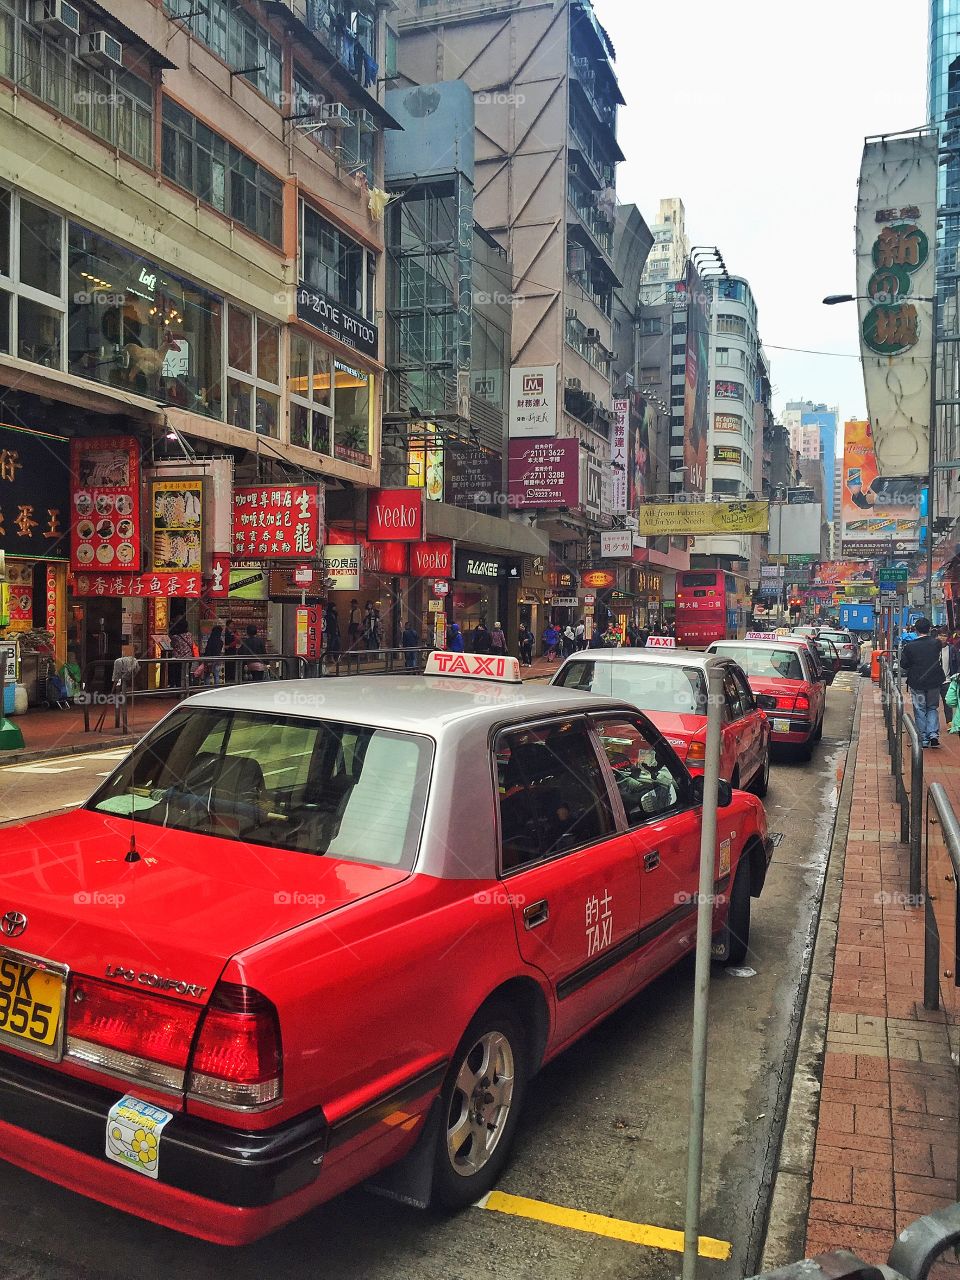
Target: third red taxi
670 686
310 929
785 667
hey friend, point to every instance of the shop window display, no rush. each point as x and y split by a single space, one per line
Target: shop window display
135 326
253 376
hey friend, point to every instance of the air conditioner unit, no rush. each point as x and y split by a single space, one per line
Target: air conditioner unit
590 397
593 335
56 16
571 313
574 384
576 259
336 116
364 121
103 49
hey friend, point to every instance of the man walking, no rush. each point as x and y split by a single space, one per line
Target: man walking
920 663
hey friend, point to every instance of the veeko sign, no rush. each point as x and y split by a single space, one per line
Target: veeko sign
431 560
395 515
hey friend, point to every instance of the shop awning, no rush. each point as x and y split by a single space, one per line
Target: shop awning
490 533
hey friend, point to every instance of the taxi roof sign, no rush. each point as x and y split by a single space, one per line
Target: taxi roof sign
474 666
661 642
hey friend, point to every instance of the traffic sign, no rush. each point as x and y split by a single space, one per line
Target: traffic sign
895 573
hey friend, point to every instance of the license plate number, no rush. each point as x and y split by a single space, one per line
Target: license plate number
781 726
30 1001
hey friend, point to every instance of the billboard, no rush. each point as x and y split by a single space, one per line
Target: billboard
642 429
619 458
881 512
544 473
795 529
695 397
895 245
533 400
704 517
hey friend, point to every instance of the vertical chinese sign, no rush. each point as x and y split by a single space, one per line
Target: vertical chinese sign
277 522
34 494
105 503
896 248
695 396
619 457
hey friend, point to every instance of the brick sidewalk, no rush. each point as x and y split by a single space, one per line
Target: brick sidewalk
886 1148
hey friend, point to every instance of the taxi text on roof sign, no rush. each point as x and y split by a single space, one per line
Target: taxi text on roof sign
477 666
661 642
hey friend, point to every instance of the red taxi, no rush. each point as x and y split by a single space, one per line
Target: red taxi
787 668
670 686
314 932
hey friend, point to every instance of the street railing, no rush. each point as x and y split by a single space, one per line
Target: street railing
368 662
941 950
907 770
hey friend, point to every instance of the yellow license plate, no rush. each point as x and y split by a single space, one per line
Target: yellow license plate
30 1001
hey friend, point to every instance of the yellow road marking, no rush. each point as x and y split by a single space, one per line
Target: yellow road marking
598 1225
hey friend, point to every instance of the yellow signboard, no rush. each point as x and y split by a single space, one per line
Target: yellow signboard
703 517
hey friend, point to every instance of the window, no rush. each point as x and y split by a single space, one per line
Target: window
649 686
319 787
137 326
553 797
351 413
726 488
31 281
734 704
116 105
727 323
650 782
209 167
311 401
253 372
233 35
333 263
650 376
765 661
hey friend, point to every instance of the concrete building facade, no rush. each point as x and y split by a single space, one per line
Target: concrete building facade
671 247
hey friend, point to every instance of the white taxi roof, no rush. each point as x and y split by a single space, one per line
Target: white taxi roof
659 657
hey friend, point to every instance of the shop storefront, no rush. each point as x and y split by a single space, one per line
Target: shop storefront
480 589
647 587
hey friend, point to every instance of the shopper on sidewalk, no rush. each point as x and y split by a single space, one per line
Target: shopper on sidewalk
920 663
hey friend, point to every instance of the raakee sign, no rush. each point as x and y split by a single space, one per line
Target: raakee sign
395 515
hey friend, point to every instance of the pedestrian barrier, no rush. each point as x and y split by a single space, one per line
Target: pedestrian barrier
913 1255
907 770
941 950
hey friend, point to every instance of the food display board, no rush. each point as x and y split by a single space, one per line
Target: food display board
177 514
105 504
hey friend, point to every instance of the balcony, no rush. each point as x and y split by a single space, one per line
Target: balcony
347 30
593 217
582 74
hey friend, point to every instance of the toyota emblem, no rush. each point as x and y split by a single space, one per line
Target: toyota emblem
12 924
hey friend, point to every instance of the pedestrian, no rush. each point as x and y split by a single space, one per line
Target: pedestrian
253 646
643 637
211 650
525 639
354 625
551 638
955 653
231 643
920 663
568 643
371 619
580 634
455 638
331 633
480 640
498 641
866 655
410 643
610 638
182 643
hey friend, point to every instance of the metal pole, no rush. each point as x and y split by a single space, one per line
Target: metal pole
931 452
701 984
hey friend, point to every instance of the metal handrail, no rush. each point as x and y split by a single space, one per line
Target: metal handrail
355 662
947 820
898 720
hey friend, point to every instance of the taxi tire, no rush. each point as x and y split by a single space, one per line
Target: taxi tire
738 915
452 1190
761 782
818 734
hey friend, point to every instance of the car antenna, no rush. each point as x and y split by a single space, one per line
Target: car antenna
133 853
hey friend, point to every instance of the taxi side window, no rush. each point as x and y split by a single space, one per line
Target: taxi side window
747 701
553 797
650 782
732 696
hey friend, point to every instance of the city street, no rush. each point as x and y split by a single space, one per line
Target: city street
604 1131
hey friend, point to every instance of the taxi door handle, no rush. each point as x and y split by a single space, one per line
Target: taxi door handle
536 913
651 860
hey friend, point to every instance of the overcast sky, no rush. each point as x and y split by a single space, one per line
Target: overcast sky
755 115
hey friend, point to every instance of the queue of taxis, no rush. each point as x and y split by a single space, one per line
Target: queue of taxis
310 933
670 686
787 668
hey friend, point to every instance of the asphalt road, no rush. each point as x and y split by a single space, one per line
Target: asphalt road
604 1130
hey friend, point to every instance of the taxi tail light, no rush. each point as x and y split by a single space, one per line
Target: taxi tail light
786 702
129 1033
236 1059
696 754
802 702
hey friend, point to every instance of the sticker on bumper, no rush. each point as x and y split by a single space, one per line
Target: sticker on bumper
134 1129
781 726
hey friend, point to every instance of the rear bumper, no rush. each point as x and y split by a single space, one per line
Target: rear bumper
216 1182
800 731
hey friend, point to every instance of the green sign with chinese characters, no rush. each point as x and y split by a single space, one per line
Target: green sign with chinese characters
891 326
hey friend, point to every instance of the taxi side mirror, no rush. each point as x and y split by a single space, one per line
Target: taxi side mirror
766 701
724 792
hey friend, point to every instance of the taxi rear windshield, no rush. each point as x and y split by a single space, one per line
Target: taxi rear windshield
651 687
763 660
312 786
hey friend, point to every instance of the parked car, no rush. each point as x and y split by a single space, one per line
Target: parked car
670 686
847 647
308 930
784 666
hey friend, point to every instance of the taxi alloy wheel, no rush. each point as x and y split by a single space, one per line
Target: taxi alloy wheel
738 915
480 1107
762 780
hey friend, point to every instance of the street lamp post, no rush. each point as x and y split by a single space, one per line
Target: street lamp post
832 300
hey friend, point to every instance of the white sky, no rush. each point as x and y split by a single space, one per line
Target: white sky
754 114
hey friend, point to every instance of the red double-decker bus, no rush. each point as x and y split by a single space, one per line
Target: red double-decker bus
711 604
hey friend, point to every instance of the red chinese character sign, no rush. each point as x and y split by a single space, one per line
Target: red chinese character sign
132 585
277 522
395 515
105 504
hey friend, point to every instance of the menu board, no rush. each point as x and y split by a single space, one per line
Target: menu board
277 522
20 581
177 513
105 504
